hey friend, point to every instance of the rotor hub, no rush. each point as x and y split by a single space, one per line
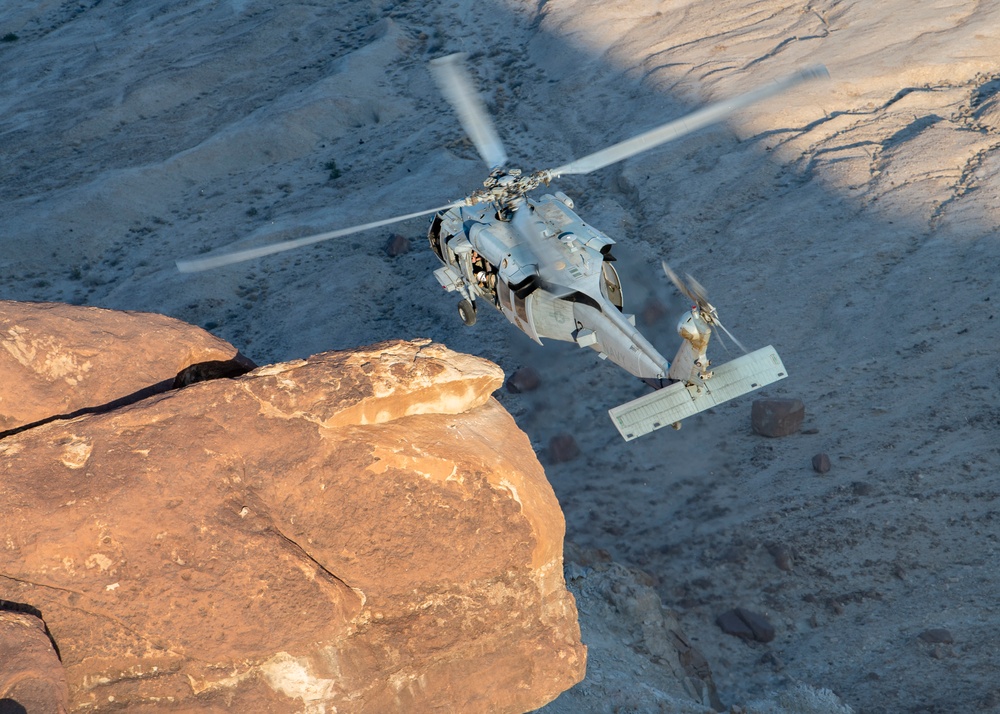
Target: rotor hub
505 188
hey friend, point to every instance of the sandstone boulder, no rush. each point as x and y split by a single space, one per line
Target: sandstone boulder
31 677
362 531
60 359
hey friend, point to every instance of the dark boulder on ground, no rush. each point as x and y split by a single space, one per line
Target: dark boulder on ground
777 417
397 245
746 624
562 448
525 379
821 463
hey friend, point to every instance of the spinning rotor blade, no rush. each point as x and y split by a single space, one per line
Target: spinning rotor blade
457 87
696 291
698 294
693 290
685 125
194 265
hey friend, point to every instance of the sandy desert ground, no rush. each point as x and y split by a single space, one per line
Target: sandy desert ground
853 224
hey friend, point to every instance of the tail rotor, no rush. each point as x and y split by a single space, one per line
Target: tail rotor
696 292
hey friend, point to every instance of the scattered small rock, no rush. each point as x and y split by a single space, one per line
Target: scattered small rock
585 557
746 624
525 379
397 245
783 556
732 624
574 571
777 417
991 700
644 578
937 635
860 488
773 660
821 463
562 448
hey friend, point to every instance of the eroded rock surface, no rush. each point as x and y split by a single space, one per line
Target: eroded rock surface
363 531
58 359
631 636
31 676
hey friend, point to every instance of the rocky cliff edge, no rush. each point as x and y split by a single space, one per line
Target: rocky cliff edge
363 531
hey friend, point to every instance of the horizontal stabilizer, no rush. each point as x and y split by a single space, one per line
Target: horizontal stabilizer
669 405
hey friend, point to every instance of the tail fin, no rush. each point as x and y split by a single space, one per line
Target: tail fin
667 406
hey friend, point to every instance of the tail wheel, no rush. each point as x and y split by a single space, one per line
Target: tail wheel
467 311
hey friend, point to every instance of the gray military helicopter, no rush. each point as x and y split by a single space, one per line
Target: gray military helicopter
551 274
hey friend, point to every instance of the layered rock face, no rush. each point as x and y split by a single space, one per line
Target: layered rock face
60 359
362 531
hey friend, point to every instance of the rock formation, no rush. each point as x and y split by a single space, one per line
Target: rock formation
60 359
361 531
30 673
629 631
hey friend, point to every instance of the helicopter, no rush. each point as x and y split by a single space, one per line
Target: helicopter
551 274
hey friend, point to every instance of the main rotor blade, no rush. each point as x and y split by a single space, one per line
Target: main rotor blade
194 265
457 87
685 125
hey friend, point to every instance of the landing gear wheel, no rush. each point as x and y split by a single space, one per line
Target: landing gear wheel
467 311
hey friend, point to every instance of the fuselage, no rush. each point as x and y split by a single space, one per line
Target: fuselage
561 285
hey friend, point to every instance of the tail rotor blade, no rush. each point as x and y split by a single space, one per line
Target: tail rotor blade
458 89
678 283
729 334
685 125
696 292
194 265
